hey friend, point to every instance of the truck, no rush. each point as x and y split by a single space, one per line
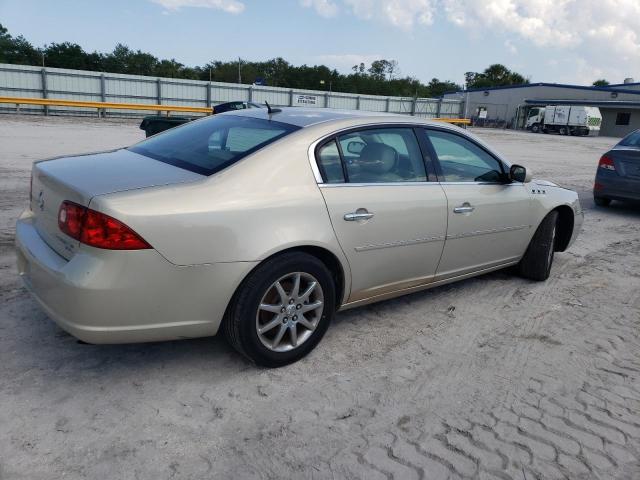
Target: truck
564 119
153 124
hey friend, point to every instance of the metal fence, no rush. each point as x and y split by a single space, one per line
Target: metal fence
41 82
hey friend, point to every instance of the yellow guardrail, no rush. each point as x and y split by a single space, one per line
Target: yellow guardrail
457 121
58 102
102 105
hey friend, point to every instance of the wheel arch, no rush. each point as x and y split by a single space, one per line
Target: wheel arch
332 262
326 256
564 226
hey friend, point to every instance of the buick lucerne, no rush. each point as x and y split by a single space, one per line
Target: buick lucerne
262 223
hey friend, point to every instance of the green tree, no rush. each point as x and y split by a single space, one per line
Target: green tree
601 83
438 88
382 77
495 75
65 55
17 50
125 60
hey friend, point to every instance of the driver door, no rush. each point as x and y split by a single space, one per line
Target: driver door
489 220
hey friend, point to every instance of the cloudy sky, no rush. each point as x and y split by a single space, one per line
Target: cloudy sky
564 41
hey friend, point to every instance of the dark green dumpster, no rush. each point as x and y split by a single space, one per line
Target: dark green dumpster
153 124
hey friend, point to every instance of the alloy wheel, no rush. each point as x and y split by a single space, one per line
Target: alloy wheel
289 311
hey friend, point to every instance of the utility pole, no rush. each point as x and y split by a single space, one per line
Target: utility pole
466 100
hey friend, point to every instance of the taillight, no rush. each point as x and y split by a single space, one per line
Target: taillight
97 229
606 163
71 218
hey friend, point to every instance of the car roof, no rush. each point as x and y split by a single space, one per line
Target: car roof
305 117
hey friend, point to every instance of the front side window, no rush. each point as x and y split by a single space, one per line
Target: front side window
462 160
385 155
209 145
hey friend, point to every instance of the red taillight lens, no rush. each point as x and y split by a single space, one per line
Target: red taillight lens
97 229
71 219
606 163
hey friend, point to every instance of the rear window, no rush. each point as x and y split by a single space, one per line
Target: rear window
207 146
631 140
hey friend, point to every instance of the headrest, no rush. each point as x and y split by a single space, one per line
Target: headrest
378 158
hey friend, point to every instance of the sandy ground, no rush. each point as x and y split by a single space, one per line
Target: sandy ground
494 377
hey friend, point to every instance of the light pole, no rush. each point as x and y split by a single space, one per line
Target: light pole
466 99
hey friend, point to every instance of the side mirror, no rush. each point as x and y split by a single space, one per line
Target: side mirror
517 173
355 147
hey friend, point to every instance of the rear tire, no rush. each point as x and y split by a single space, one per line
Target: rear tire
259 324
602 201
562 131
537 260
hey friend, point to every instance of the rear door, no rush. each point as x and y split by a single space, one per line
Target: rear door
389 218
488 219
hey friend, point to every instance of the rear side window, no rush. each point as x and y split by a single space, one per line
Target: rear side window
631 140
209 145
330 164
385 155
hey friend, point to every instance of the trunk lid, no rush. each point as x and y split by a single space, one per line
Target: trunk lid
80 178
627 162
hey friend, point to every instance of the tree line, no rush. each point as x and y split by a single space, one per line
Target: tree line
382 77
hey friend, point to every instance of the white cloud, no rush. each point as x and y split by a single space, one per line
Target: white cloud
324 8
603 34
229 6
399 13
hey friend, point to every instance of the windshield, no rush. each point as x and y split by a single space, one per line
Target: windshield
209 145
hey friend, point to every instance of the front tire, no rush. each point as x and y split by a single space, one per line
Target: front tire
537 260
282 310
535 128
602 201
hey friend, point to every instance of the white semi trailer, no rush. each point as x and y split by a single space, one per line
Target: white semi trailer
565 120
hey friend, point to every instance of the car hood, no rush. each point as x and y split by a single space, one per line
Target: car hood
544 183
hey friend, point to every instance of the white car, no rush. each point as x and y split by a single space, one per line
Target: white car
263 223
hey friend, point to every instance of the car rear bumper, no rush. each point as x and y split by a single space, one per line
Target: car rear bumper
613 186
104 296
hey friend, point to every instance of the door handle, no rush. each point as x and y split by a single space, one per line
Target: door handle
464 208
360 214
